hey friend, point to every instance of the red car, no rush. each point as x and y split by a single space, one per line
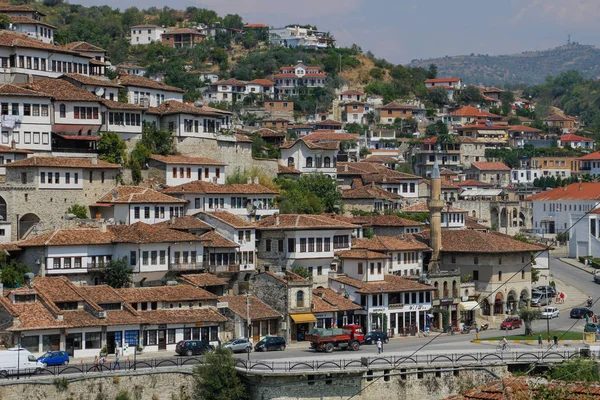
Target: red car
511 323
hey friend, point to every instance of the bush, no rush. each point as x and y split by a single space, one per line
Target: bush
78 210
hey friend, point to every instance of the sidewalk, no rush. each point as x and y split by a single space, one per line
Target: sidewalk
575 263
573 296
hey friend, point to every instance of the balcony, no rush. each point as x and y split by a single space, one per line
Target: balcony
186 266
215 269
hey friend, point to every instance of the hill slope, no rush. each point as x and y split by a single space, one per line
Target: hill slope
530 67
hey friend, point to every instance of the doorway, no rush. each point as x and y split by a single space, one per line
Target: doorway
73 342
162 339
113 341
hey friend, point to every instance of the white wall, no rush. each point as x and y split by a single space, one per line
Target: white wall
40 124
76 178
560 212
300 153
152 95
197 173
146 35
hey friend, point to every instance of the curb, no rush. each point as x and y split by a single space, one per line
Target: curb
483 341
574 264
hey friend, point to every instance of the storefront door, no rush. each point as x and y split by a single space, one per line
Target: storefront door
162 339
73 342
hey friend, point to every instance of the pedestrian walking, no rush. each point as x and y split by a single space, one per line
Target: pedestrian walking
555 340
540 341
562 297
379 346
95 363
117 361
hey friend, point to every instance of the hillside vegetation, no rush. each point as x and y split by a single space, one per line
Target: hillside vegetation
530 67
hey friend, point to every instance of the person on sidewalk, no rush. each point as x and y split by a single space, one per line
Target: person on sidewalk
555 340
95 363
117 361
540 341
379 346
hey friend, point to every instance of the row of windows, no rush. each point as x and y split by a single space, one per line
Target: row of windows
81 112
159 212
129 119
28 138
558 207
76 262
371 268
56 180
139 97
34 110
244 234
404 188
311 245
40 64
187 172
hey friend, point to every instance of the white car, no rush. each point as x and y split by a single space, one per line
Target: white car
550 312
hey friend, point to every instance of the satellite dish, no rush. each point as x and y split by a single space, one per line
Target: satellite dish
99 91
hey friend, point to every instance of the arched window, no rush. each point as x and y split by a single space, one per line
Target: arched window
445 293
436 293
300 299
327 162
290 161
474 214
454 289
62 109
309 162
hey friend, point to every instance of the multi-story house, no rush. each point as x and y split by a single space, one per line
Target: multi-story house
351 95
468 115
450 84
249 317
131 204
43 188
520 135
102 88
584 235
310 157
228 90
236 230
26 121
185 120
182 37
27 20
54 314
296 36
125 119
298 240
555 210
494 173
567 164
147 92
452 217
291 79
8 155
98 60
279 109
249 201
406 253
364 278
176 170
356 112
370 198
576 142
131 69
564 122
381 225
426 152
388 113
491 136
261 88
145 34
22 56
589 164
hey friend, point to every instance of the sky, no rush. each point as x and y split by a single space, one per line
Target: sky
403 30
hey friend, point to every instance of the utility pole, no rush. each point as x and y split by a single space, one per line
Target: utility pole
248 321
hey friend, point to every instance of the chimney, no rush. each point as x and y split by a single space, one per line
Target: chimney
30 79
256 180
13 145
345 167
103 227
94 161
277 219
249 181
172 219
580 186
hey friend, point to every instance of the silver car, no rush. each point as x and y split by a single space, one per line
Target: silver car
239 346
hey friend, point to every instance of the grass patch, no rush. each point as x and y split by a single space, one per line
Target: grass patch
561 336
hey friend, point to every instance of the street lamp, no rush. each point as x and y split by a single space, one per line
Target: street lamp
249 323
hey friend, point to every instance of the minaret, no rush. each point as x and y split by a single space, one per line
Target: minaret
436 204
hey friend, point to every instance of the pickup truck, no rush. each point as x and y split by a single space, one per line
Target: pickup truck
597 276
350 337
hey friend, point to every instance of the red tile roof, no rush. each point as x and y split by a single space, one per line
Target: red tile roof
213 188
117 105
557 117
329 122
335 300
442 80
14 39
301 221
574 191
471 241
469 111
369 192
522 128
312 145
84 46
165 293
391 283
186 223
67 237
389 243
396 106
214 239
145 233
88 80
61 90
361 254
490 166
137 195
591 156
7 149
422 207
283 169
574 138
231 82
176 159
183 31
7 89
258 310
353 93
255 26
203 280
170 107
473 182
230 219
261 82
383 221
330 137
140 81
266 132
62 162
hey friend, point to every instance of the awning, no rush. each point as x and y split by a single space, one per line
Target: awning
469 306
303 318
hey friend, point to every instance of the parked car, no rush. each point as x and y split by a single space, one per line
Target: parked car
591 327
239 345
539 299
192 348
511 323
550 312
52 358
549 289
581 312
270 343
19 361
373 336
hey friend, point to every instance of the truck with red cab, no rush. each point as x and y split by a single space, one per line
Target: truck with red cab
350 337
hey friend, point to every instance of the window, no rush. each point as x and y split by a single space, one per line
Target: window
153 257
372 268
67 177
360 268
379 268
476 260
475 275
42 177
56 177
174 172
523 274
309 162
163 257
327 162
62 111
27 109
218 172
302 245
268 245
499 276
291 245
311 245
319 245
67 262
340 242
93 340
144 258
300 299
136 213
327 244
146 212
132 258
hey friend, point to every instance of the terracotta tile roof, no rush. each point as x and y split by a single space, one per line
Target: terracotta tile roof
557 117
525 388
186 223
213 188
369 192
301 221
523 128
283 169
372 172
381 159
442 80
255 26
203 280
391 283
231 82
339 302
144 233
117 105
312 145
422 207
67 237
176 159
396 106
330 122
243 139
176 107
129 66
471 223
384 220
101 294
320 306
14 39
145 26
230 219
469 111
62 162
490 166
592 156
353 92
84 46
137 195
35 316
471 241
287 276
361 254
7 89
262 82
574 138
574 191
61 90
473 182
177 316
266 132
7 149
258 309
214 239
140 81
165 293
330 137
57 289
7 8
389 243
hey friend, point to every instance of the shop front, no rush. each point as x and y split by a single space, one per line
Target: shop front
302 323
407 320
325 320
468 312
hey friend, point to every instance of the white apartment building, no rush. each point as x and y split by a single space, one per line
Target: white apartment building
406 253
291 78
176 170
145 34
309 157
27 20
147 92
185 120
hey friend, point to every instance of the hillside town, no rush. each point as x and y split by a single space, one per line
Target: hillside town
133 217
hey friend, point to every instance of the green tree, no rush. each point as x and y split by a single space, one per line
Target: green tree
217 379
111 148
528 315
405 168
364 152
507 98
136 171
436 129
376 73
438 96
514 121
577 369
12 272
78 210
325 189
4 21
432 72
470 95
233 21
156 140
303 272
139 155
117 273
